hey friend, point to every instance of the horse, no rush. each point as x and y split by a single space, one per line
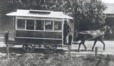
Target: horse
96 35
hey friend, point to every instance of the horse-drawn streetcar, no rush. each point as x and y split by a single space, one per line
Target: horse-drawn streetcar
37 27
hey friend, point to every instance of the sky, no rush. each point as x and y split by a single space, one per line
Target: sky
108 1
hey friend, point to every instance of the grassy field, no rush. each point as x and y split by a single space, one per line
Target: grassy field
38 59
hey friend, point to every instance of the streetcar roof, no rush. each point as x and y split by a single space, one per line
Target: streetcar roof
39 13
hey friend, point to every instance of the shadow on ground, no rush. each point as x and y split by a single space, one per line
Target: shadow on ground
21 51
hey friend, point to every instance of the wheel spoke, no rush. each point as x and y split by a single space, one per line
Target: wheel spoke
50 48
29 47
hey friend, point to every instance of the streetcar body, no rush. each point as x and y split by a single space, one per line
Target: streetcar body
39 27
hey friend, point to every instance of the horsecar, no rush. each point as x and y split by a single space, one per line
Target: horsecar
37 28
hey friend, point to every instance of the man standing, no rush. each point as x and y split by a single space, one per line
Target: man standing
67 29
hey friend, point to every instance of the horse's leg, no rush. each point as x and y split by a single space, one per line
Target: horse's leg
79 46
84 45
102 43
94 45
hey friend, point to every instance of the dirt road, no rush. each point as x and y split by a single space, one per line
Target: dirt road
74 47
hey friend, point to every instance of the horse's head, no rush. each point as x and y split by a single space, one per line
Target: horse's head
107 30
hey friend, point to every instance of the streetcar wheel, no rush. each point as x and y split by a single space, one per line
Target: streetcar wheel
29 47
50 48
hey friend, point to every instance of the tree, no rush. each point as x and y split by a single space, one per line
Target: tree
56 5
89 15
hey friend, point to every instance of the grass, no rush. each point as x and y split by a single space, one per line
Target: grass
57 59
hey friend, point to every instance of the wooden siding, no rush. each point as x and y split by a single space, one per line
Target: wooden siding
21 41
39 34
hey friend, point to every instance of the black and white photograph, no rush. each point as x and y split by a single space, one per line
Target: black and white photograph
56 33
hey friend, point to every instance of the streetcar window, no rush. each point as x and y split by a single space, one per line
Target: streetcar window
20 24
30 24
48 25
57 25
39 24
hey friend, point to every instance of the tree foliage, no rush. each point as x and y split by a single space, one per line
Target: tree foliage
87 15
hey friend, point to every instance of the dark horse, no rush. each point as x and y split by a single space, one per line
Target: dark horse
96 35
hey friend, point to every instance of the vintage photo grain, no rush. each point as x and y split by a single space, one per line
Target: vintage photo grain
56 33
